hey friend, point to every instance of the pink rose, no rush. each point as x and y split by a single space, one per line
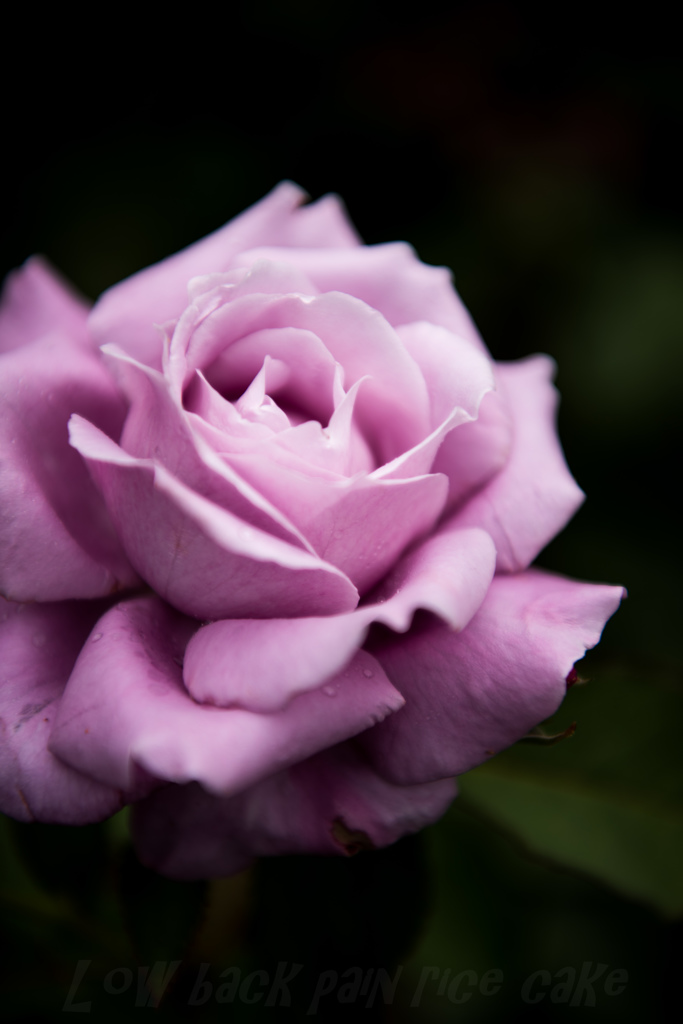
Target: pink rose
272 584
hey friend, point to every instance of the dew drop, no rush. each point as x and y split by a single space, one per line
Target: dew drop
95 638
368 673
330 691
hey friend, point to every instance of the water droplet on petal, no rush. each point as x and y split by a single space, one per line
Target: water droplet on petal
95 638
368 673
330 690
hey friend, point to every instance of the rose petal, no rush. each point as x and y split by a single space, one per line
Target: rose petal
333 803
457 374
198 556
38 647
309 386
471 455
126 313
389 278
264 277
392 407
55 534
471 694
36 301
393 513
125 706
263 664
449 575
158 428
217 419
458 377
533 497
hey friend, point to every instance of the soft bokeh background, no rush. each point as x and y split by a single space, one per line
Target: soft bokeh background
534 150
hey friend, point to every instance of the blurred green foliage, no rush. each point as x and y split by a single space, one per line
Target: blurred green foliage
534 151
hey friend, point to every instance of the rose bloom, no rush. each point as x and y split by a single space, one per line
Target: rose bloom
267 517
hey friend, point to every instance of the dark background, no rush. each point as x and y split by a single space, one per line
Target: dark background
535 151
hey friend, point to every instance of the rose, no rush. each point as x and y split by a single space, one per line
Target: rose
317 458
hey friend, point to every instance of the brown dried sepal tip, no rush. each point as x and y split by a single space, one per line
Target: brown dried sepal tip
540 736
352 840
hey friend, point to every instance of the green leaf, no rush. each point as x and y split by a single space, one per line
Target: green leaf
606 804
631 846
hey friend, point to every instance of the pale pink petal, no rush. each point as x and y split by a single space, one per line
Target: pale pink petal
36 301
263 664
332 803
392 406
393 513
458 377
126 314
309 386
457 374
219 420
125 707
449 575
196 555
338 450
533 497
471 694
322 225
56 537
264 277
476 451
39 644
390 278
158 428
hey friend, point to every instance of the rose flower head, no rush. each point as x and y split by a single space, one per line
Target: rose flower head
267 516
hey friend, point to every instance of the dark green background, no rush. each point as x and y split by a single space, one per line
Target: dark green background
534 150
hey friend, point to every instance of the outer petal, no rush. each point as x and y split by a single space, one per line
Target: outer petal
471 455
470 695
38 647
534 495
126 314
35 301
262 664
125 706
56 537
390 278
198 556
333 803
458 377
456 373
